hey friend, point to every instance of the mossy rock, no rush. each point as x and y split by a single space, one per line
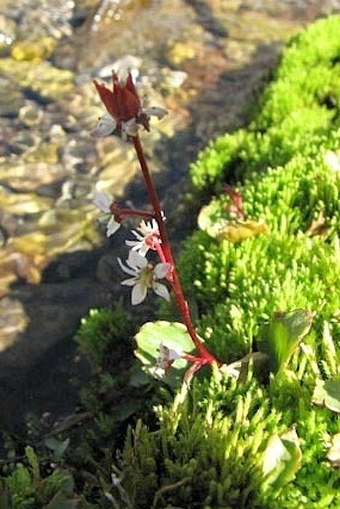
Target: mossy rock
302 103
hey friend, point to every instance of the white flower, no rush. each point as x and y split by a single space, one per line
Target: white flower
155 111
146 239
129 128
166 357
144 276
103 202
106 125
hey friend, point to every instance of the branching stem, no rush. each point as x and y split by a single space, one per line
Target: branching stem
205 356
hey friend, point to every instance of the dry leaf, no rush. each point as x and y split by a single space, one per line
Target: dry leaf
333 454
318 226
239 230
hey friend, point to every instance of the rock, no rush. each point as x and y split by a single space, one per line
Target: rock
39 309
13 321
42 78
25 203
33 50
30 176
11 99
38 362
7 31
30 115
19 142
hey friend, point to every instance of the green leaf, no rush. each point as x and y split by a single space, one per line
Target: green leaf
211 218
174 335
327 393
60 501
281 461
214 220
57 446
4 496
34 463
280 337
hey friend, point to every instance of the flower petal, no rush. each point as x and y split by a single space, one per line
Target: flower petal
155 112
129 282
161 290
102 201
142 249
130 127
161 270
138 293
106 125
112 226
126 269
137 235
136 261
139 246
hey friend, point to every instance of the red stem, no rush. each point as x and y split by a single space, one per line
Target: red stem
136 212
176 285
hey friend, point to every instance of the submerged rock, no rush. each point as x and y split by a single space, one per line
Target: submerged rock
8 31
30 115
33 50
11 98
42 78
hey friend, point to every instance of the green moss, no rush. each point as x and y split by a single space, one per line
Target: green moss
104 331
209 449
245 284
302 103
25 487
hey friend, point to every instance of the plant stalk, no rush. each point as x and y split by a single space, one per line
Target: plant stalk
205 356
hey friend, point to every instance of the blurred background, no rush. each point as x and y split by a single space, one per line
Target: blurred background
205 61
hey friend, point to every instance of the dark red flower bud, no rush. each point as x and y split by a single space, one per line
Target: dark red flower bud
123 103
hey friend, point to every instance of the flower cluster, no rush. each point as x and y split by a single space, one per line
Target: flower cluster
144 274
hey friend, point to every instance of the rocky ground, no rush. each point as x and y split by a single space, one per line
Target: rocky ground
205 61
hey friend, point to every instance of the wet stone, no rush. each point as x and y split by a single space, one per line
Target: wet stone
30 115
44 153
11 99
7 31
39 18
33 50
79 155
78 188
22 176
13 319
42 78
20 142
3 237
24 203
